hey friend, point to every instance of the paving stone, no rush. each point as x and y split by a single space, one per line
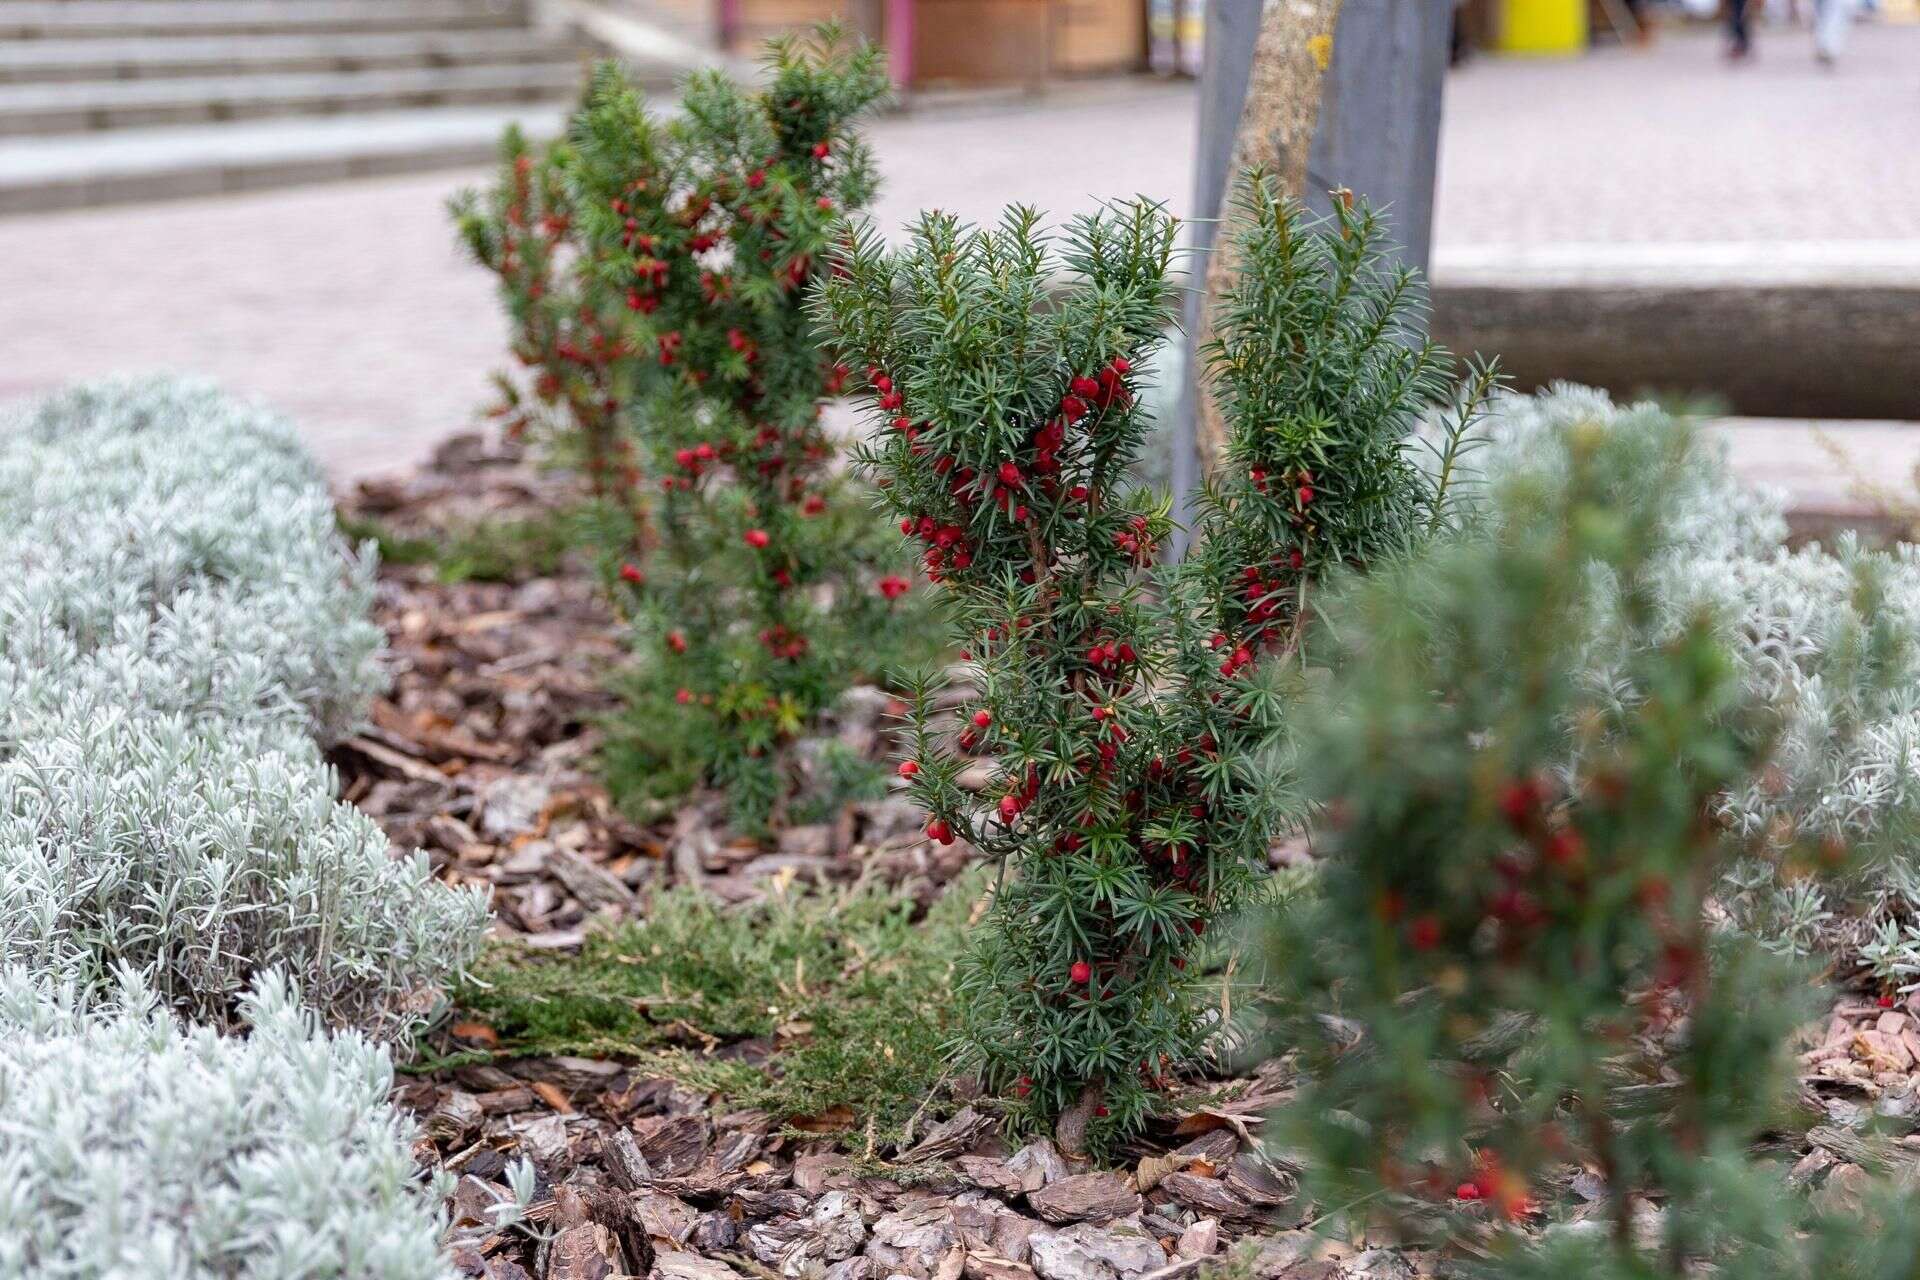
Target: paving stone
333 303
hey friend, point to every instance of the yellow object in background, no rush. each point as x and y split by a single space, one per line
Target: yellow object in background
1550 28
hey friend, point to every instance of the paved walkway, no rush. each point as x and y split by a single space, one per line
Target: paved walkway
350 308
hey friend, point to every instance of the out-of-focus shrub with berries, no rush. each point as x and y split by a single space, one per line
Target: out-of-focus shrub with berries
1508 966
760 585
1135 715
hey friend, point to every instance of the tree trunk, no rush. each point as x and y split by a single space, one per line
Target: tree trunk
1321 94
1278 120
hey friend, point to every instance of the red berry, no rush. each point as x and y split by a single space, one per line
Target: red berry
683 696
1120 365
757 539
757 179
1009 809
939 830
1081 973
1078 493
1565 848
1072 408
677 641
982 718
1518 799
631 573
1886 1002
820 151
908 768
1467 1191
1086 388
826 205
1010 474
1423 933
1022 1087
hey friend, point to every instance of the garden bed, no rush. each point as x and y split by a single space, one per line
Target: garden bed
480 755
722 1056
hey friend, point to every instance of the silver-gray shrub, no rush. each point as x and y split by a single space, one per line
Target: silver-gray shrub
179 624
1829 640
134 1145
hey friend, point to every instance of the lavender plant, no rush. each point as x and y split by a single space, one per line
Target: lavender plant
1827 640
136 1145
182 622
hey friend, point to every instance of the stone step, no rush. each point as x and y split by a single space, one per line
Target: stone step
166 57
68 108
131 165
50 19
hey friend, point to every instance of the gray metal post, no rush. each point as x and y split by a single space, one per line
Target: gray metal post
1379 131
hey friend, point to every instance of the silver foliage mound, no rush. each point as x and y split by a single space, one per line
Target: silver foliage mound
1829 640
131 1145
180 628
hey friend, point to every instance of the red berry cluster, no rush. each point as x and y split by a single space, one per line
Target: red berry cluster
1012 485
1498 1186
783 643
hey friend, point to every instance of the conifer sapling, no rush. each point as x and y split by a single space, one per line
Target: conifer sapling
759 591
1512 916
1132 797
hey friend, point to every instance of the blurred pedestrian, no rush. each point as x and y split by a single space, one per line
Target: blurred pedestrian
1832 21
1739 29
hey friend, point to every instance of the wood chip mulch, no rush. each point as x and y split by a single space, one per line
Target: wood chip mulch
480 754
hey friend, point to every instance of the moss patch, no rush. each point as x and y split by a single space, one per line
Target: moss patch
831 1005
504 550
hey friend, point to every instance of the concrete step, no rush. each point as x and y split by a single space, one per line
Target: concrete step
1812 329
131 165
1837 474
79 107
165 57
50 19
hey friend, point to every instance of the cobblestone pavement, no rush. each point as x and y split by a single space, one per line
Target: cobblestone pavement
349 308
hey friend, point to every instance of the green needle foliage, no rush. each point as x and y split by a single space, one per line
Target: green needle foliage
1509 966
841 992
1136 716
657 273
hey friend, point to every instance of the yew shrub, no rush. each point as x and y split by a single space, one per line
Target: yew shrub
1508 964
1135 715
657 273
